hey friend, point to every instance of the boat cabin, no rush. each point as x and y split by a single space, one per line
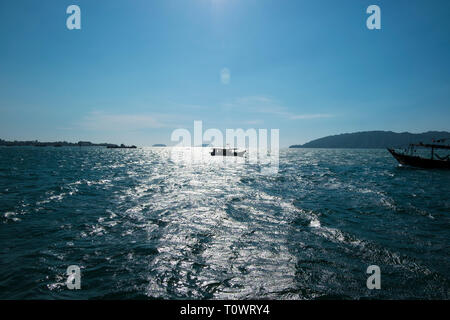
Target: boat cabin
233 152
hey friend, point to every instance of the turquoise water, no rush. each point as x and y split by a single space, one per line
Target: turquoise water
141 225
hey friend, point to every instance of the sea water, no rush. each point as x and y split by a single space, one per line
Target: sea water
141 225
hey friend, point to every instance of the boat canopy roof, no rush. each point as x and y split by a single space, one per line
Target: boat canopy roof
434 146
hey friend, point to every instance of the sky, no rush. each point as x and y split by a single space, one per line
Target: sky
137 70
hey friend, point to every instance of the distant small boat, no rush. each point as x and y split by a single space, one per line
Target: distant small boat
434 162
122 146
227 152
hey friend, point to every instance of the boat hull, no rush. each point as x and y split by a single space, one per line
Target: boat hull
420 162
228 153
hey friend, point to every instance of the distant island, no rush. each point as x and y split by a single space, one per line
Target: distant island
374 139
36 143
159 145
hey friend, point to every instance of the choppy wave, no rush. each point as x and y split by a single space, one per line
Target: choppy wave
141 225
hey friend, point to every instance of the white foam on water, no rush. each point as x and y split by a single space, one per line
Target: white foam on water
315 223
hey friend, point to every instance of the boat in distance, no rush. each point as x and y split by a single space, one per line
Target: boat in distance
227 152
122 146
435 161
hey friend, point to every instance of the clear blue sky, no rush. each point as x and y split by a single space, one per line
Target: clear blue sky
139 69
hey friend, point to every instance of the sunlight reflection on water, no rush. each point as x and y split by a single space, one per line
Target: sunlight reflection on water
141 224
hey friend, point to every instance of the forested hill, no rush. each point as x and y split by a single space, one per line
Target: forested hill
374 139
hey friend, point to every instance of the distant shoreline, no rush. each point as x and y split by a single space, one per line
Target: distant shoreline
36 143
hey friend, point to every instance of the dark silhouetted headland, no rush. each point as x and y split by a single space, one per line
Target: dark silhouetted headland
36 143
374 139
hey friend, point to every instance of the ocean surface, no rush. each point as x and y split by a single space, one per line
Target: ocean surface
142 225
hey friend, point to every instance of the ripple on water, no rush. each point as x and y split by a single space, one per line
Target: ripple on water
140 223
